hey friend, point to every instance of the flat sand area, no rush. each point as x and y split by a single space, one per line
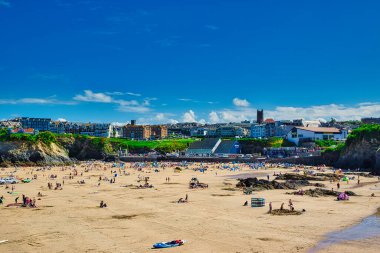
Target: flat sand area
214 219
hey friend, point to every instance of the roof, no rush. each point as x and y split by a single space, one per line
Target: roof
208 143
270 120
320 129
225 147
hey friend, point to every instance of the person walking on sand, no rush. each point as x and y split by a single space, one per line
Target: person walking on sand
186 198
268 177
270 207
338 186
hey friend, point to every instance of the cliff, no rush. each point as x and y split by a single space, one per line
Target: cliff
61 151
361 149
24 153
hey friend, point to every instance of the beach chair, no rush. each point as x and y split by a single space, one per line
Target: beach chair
257 202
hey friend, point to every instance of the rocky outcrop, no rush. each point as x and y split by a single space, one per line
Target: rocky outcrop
23 153
377 166
66 150
363 153
83 149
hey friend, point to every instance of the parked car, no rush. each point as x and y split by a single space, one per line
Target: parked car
11 180
2 181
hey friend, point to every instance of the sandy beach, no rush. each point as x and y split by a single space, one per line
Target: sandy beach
213 220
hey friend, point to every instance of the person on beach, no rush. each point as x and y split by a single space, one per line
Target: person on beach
270 207
291 208
16 200
268 177
338 186
282 206
186 198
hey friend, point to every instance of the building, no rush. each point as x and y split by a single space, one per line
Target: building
158 132
231 131
144 132
137 132
198 132
299 135
371 120
260 116
57 127
228 147
270 128
258 131
205 147
40 124
10 124
22 131
117 131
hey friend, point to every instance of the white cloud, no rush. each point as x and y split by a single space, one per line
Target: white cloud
164 118
61 120
317 112
185 99
133 94
114 93
40 101
202 121
147 101
213 117
124 105
90 96
189 116
339 112
240 102
119 124
137 109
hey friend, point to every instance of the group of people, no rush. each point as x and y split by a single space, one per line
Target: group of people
27 202
58 186
290 205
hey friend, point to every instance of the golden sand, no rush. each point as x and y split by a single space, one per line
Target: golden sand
214 219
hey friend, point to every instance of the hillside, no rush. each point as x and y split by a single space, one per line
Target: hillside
362 149
47 148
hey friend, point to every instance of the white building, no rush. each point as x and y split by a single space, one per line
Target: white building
258 131
307 134
198 132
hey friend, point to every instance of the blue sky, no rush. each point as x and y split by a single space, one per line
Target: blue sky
190 60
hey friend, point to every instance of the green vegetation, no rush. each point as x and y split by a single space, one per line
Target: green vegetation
366 131
109 145
326 143
339 147
164 146
273 142
45 137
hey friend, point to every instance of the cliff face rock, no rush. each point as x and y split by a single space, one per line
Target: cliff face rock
85 149
362 153
377 167
65 150
23 153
